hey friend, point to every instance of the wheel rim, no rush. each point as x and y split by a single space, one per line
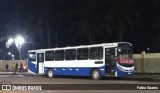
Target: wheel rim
50 74
95 74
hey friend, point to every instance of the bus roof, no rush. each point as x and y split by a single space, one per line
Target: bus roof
80 46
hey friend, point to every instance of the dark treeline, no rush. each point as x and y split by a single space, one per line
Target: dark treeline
58 23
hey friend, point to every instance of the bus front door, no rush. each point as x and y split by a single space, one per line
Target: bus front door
109 60
40 63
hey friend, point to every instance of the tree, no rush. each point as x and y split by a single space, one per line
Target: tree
92 18
121 18
82 17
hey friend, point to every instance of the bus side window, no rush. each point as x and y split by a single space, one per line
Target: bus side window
49 55
82 54
70 54
40 57
59 55
112 53
96 53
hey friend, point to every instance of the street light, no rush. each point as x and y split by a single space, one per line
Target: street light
12 57
9 53
9 42
19 41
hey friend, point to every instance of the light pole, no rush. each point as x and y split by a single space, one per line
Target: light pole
19 41
9 53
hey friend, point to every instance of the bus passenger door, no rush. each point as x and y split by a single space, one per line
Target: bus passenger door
109 60
40 63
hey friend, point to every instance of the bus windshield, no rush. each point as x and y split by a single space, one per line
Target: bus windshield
125 57
32 56
124 53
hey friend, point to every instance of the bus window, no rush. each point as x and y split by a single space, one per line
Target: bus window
59 55
32 56
82 54
49 55
96 53
40 57
70 54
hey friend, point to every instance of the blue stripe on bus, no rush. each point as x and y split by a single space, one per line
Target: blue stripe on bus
74 71
122 73
31 67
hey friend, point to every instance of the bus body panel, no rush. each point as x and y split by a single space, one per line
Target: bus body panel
80 67
69 68
123 71
74 71
32 67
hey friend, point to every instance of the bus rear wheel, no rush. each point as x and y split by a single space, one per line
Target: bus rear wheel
95 74
50 73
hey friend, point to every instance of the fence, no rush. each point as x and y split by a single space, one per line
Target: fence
10 63
147 63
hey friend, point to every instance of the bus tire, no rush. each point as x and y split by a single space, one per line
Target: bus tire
95 74
50 73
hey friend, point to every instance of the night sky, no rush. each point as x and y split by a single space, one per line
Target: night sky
60 23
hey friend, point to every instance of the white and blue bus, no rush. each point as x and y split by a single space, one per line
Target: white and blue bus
85 60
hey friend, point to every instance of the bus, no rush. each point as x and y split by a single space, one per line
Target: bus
97 60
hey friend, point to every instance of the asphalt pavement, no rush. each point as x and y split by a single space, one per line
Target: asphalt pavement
27 78
137 76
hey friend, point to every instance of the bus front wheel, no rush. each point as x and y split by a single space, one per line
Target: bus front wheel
50 73
95 74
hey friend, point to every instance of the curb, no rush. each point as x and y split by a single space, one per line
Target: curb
147 73
145 79
17 73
